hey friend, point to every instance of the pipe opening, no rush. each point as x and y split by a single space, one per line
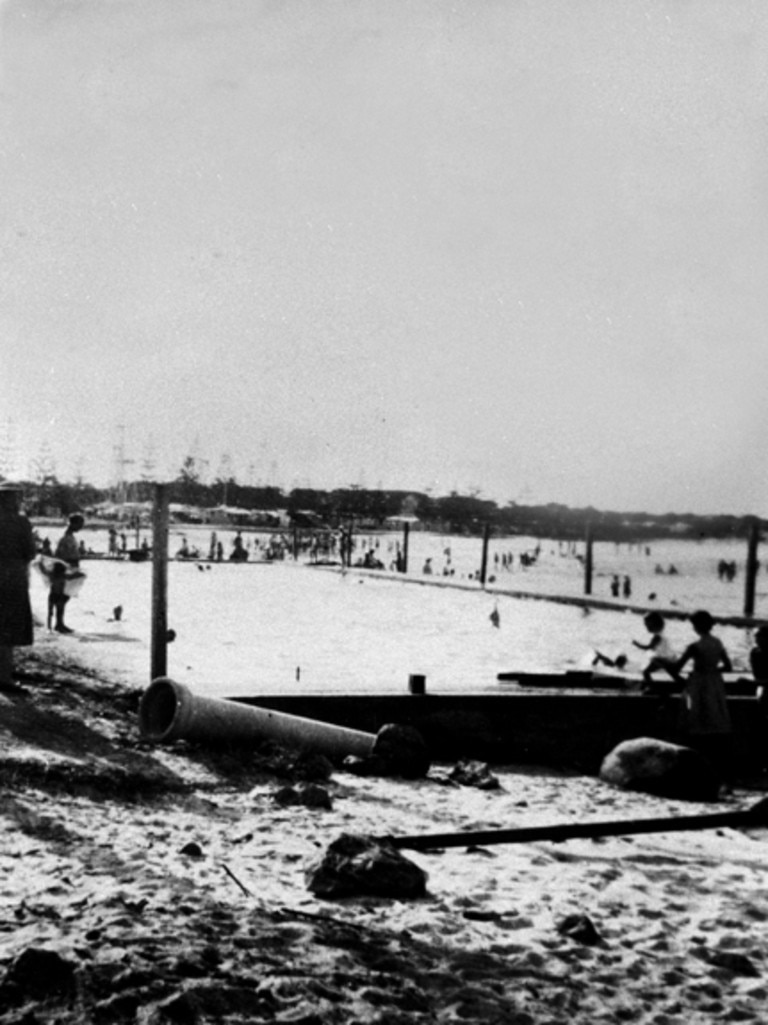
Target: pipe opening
158 709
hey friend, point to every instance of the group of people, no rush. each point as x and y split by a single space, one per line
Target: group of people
619 586
705 719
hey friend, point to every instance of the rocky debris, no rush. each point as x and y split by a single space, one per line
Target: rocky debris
580 928
661 768
310 795
398 751
731 960
192 850
470 773
311 767
355 865
40 973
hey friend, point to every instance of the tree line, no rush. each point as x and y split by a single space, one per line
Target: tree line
375 508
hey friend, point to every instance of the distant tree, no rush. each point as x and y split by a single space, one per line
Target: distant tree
187 488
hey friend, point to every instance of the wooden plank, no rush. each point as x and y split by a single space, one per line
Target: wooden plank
755 816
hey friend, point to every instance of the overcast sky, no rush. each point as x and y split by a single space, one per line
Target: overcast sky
518 245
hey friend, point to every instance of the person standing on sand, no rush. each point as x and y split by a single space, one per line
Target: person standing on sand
67 551
17 550
706 720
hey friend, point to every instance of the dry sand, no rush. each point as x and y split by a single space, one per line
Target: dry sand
93 827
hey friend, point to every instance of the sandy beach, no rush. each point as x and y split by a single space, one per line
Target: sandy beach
168 884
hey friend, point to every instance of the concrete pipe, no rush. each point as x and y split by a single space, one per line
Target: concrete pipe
170 711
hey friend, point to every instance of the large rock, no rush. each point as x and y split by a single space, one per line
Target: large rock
397 751
660 768
355 865
42 973
403 751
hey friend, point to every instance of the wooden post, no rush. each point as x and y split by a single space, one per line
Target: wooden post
295 543
748 818
484 559
406 531
159 663
350 535
588 559
751 575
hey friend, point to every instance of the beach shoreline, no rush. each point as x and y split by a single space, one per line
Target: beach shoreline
170 884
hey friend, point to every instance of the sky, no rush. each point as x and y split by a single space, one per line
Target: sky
513 246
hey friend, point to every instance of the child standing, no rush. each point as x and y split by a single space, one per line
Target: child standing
662 655
706 719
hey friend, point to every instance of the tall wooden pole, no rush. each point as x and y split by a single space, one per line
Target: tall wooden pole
406 531
751 575
350 534
484 560
159 664
588 559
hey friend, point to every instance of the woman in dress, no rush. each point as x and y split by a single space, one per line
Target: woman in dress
706 720
17 550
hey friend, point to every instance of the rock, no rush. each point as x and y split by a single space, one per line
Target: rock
179 1009
312 767
660 768
474 774
311 795
397 751
355 865
580 928
42 973
286 796
192 850
118 1007
733 961
402 750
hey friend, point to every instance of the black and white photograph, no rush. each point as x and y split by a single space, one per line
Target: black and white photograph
383 512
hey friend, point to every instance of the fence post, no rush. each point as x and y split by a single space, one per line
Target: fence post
588 559
751 574
484 560
159 662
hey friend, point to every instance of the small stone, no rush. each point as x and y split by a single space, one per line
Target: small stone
580 928
314 796
286 796
192 850
312 767
471 773
737 963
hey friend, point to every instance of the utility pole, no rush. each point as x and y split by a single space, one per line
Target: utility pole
588 558
751 574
